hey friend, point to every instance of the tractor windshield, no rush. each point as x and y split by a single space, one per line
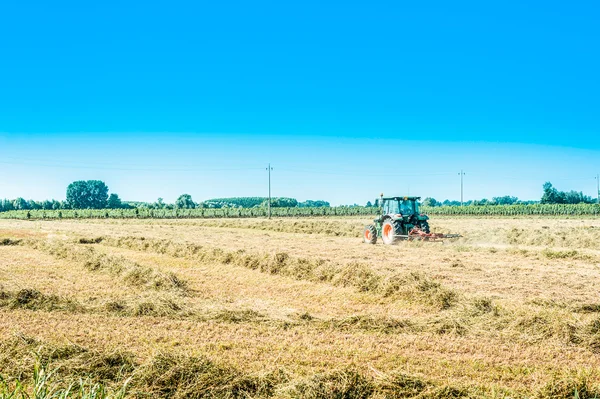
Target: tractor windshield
391 207
407 207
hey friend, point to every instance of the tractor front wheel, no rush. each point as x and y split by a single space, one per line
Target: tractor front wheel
425 226
370 234
389 229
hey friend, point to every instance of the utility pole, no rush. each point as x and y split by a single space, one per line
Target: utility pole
269 168
598 188
461 187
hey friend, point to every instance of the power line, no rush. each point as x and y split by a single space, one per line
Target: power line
504 177
350 173
358 173
66 166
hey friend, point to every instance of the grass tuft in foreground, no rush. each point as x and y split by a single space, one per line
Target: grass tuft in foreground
44 384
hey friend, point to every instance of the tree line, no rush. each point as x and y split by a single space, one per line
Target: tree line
550 196
94 194
90 194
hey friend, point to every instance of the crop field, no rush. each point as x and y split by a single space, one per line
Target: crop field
567 210
299 308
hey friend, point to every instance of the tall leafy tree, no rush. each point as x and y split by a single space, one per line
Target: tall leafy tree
8 205
185 202
114 202
551 195
20 204
91 194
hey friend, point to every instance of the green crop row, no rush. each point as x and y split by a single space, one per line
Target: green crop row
515 210
486 210
186 213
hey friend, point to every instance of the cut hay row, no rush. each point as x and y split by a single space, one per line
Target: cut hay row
46 370
32 299
413 286
130 272
461 315
477 314
329 227
450 312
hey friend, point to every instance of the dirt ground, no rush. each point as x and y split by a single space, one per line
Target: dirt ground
509 310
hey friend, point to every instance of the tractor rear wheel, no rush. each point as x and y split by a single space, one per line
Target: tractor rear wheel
389 230
370 234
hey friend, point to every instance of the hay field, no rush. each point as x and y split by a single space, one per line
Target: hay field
301 308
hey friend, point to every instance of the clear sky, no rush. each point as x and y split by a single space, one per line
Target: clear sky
346 99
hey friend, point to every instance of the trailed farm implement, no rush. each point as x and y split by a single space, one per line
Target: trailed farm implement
400 219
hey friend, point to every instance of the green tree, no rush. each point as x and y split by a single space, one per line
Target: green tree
91 194
313 204
281 202
550 194
185 202
553 196
34 205
506 200
430 202
114 202
450 203
20 204
7 205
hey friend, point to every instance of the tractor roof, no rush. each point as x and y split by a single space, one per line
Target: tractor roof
402 198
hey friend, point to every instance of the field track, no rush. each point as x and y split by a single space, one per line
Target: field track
301 308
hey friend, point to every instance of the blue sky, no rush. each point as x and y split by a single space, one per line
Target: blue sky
346 99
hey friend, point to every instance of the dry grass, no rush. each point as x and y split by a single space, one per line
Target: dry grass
295 309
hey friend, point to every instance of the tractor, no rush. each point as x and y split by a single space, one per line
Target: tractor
400 219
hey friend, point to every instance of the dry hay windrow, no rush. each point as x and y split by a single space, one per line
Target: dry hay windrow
476 347
567 237
413 286
175 375
173 308
450 311
130 272
453 313
329 227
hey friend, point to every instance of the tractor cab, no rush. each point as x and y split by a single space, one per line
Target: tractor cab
401 206
403 212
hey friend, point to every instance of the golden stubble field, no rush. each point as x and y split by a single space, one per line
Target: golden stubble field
302 308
